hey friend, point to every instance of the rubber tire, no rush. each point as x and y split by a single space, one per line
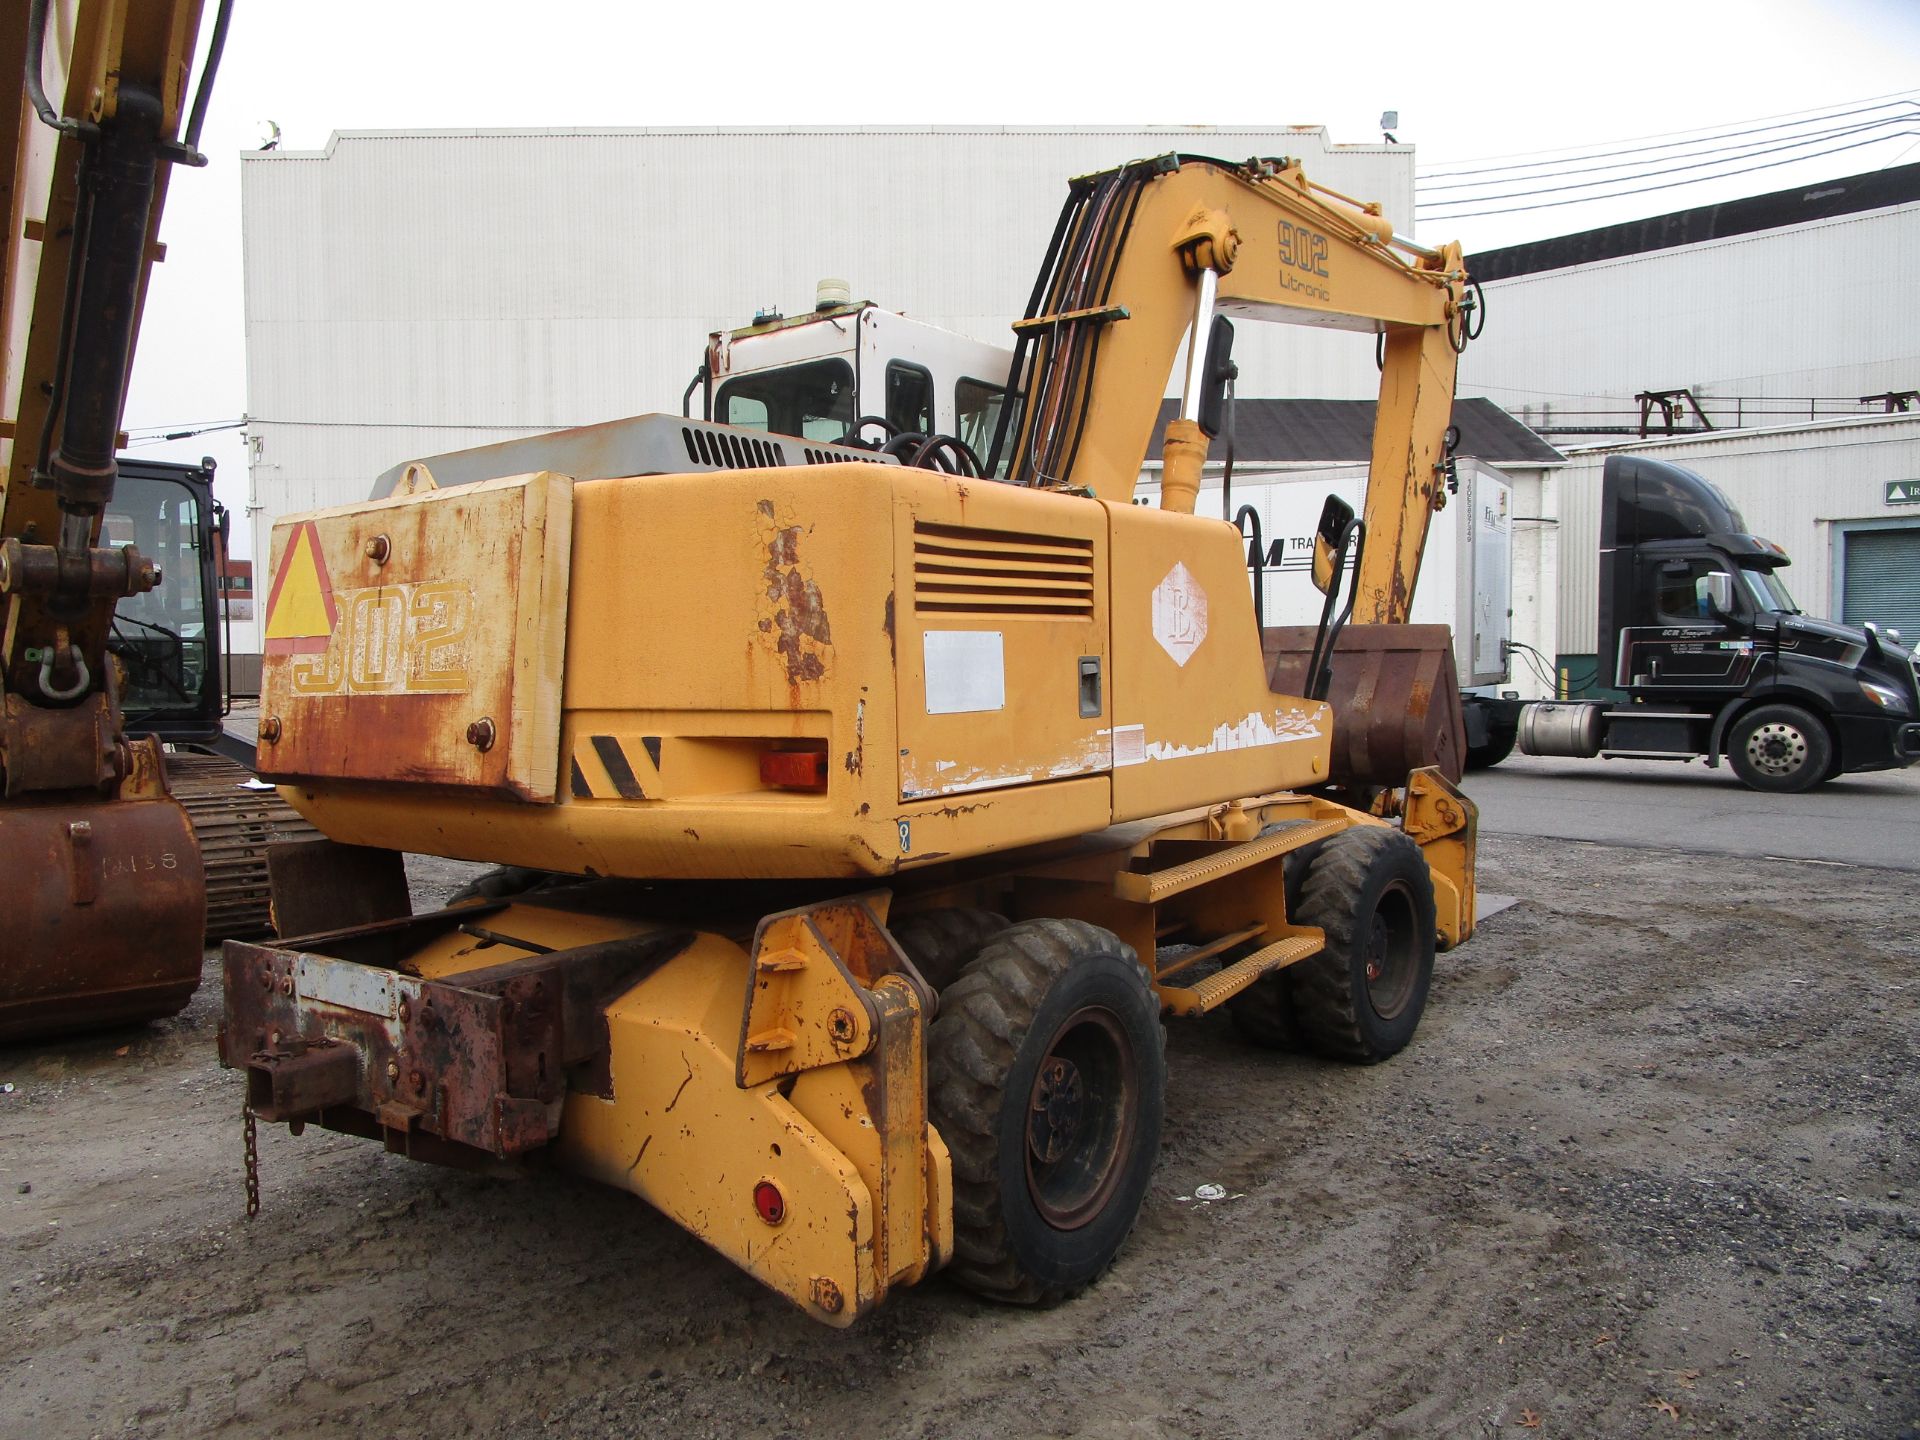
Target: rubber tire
984 1052
501 883
1354 873
1499 745
1814 766
941 942
1263 1012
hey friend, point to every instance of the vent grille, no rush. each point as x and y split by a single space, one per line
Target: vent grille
962 571
724 450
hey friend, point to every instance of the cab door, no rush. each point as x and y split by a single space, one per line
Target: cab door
1686 647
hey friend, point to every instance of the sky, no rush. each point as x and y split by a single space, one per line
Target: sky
1475 85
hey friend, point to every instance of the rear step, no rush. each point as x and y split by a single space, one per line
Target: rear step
1220 987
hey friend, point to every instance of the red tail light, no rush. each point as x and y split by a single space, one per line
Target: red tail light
794 769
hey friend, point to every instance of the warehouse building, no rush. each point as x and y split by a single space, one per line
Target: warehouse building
413 293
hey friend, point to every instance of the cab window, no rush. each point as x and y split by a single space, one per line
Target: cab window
976 408
1680 592
813 401
909 398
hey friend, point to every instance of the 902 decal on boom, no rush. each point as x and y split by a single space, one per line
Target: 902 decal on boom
1303 253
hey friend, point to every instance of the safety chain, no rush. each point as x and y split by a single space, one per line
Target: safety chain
251 1148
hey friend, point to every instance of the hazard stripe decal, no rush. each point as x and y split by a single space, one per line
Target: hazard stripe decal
607 747
616 767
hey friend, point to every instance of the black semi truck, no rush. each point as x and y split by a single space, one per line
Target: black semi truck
1714 658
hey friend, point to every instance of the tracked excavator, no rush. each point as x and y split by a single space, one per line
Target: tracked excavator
864 818
106 900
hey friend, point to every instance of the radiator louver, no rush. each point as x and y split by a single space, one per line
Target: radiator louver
995 573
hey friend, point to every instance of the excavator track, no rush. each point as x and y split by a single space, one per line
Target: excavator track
234 824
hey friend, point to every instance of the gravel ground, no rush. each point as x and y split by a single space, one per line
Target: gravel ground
1650 1168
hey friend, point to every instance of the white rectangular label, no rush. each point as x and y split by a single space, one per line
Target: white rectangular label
344 984
966 671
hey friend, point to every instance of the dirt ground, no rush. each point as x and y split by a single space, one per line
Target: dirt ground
1651 1167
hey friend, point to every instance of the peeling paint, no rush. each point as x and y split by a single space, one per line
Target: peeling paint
1090 755
1258 729
856 757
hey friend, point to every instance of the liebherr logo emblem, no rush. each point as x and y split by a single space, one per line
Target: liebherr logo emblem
1179 614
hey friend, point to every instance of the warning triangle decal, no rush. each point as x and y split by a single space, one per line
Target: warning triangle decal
300 609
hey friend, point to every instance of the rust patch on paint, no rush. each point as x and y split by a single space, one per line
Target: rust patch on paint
799 621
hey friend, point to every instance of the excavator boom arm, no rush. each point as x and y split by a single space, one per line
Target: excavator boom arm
1142 252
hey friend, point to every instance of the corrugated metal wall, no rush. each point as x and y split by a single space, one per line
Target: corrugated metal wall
1794 486
408 294
1824 309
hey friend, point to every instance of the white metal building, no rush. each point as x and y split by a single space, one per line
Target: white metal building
412 293
1768 311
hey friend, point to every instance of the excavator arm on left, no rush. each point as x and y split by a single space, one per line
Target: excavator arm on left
103 925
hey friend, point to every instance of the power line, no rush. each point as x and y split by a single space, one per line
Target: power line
1574 152
1729 151
1675 169
135 442
1670 184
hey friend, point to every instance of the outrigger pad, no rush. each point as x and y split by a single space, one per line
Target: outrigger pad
1395 695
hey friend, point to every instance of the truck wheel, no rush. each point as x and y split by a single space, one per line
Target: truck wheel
1361 997
1780 748
1499 745
941 942
1047 1079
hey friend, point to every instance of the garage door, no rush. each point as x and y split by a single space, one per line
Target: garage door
1882 581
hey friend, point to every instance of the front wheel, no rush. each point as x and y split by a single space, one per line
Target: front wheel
1361 997
1047 1079
1781 749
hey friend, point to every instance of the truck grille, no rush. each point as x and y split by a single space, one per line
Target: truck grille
958 570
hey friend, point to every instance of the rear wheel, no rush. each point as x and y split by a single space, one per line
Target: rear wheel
1780 748
1047 1072
940 943
1361 997
1499 745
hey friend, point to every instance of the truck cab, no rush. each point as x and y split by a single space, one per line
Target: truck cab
1715 658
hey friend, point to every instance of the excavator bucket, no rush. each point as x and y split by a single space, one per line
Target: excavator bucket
1395 695
103 915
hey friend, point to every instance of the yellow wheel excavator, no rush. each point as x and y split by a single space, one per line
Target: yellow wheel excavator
867 816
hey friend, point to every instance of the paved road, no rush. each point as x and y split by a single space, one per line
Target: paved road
1871 819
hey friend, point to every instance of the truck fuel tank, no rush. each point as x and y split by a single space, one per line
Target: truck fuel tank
1562 728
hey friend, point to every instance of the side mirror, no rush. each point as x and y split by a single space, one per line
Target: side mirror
1220 369
1720 593
1335 518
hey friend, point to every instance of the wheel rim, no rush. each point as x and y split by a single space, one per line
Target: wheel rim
1080 1118
1776 748
1391 951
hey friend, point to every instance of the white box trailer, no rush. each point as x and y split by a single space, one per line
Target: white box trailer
1466 576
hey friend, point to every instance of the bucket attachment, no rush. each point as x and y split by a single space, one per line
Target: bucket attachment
1395 697
104 913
